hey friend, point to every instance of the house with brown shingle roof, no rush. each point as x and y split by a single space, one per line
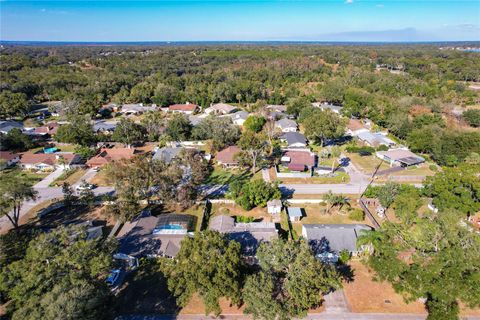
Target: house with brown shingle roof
355 127
227 157
298 160
8 159
48 161
106 156
187 108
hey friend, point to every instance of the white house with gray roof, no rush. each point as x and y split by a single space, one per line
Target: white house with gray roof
239 117
7 125
286 125
294 140
328 240
220 108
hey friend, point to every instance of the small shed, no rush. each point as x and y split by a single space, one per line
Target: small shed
294 214
274 206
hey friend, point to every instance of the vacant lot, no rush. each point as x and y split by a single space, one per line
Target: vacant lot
366 295
367 164
260 214
220 176
340 177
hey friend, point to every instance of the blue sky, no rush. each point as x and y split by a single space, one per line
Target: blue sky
321 20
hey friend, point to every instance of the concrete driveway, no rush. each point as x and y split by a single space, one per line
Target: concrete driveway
49 179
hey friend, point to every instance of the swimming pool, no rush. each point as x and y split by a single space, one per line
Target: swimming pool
170 227
50 150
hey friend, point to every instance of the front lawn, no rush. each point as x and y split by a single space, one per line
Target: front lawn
31 176
101 179
338 178
220 176
69 176
367 164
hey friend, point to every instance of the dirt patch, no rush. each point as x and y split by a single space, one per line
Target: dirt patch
235 210
365 295
196 306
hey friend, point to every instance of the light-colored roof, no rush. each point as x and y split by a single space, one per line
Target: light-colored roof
223 107
375 138
286 123
355 124
7 125
277 107
274 203
334 237
222 223
294 212
166 154
239 115
402 155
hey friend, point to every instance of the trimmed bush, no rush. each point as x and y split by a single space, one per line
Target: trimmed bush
356 215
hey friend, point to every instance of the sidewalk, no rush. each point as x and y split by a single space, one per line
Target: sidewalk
45 183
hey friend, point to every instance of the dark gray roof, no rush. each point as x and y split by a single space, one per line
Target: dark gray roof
7 125
249 235
167 154
333 237
138 241
294 137
239 115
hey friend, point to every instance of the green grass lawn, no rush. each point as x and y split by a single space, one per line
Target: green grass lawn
32 177
340 177
367 164
70 176
226 176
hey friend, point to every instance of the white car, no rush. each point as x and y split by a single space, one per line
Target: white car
85 186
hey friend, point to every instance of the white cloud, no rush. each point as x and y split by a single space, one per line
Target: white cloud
380 5
348 1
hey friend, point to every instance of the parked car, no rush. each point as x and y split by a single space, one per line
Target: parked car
85 186
113 277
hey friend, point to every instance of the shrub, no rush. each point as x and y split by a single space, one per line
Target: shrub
344 256
244 219
382 148
355 149
356 215
433 167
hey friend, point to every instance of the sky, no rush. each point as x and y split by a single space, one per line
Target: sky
240 20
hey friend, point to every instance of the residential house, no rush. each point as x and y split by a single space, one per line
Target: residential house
294 214
220 108
8 159
167 154
145 237
106 156
375 139
49 129
227 157
286 125
400 157
7 125
277 108
326 106
298 160
187 108
49 161
195 120
355 127
274 206
249 235
328 240
136 108
294 140
239 117
102 126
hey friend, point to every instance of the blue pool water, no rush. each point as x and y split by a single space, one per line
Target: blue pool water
50 150
170 227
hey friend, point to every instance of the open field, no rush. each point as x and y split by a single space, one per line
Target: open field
340 177
220 176
367 164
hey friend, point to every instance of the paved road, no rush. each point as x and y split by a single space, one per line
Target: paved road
88 176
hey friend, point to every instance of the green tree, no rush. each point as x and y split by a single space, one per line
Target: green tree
290 281
16 140
296 105
61 276
455 189
254 145
13 104
334 199
254 123
437 258
78 131
179 127
154 124
209 265
14 190
69 197
472 117
220 130
128 132
253 193
323 125
386 194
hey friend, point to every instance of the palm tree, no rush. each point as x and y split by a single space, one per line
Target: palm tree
370 238
334 154
335 200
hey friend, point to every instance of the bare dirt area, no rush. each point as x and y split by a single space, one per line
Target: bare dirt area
365 295
196 306
235 210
